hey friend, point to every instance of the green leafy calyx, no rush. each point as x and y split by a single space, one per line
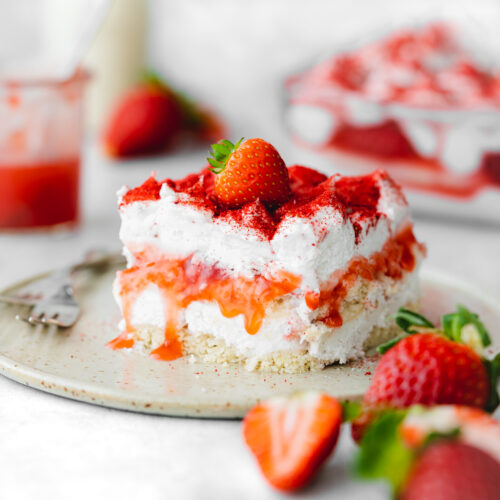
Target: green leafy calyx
351 410
383 453
220 154
465 327
410 322
461 326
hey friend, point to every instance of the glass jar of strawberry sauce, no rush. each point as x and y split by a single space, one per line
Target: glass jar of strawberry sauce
40 144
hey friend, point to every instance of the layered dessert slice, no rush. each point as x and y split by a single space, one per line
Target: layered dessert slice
281 269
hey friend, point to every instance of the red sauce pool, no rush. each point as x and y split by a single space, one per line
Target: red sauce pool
39 195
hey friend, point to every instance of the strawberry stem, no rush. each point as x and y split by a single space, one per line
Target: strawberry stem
221 153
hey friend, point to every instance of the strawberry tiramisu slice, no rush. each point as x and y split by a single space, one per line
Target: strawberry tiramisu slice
281 269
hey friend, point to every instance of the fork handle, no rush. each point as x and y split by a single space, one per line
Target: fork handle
97 259
8 299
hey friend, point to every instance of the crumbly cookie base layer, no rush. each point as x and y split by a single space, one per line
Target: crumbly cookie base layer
211 349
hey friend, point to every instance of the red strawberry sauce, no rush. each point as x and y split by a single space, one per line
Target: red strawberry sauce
182 281
39 194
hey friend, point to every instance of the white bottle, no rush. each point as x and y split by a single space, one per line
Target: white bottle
116 58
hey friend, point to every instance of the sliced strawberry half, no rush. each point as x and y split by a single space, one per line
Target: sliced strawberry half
471 426
414 449
292 437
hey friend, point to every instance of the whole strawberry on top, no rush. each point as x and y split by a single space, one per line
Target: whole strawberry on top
431 366
247 171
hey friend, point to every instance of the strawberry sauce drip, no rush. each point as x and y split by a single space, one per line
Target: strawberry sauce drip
186 280
397 256
182 281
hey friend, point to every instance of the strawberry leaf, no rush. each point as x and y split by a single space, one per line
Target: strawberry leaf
221 152
383 348
350 410
465 327
492 367
407 320
383 454
217 167
434 436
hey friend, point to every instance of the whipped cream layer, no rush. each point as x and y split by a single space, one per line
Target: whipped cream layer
310 239
278 332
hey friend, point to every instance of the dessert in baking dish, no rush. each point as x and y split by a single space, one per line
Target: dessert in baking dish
281 269
417 102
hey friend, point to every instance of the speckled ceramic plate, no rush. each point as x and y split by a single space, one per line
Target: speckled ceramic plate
76 364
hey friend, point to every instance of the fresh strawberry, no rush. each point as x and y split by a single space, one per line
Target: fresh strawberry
450 470
292 437
474 427
247 171
428 369
144 121
152 116
446 462
432 366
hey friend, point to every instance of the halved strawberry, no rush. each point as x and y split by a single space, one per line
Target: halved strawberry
292 437
438 459
247 171
471 425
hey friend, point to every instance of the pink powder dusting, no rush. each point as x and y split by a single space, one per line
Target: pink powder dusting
355 198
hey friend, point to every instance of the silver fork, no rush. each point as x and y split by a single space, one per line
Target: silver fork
52 297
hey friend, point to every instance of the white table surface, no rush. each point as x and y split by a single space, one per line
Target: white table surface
53 448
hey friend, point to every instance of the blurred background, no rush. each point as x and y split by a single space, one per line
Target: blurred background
79 116
97 94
